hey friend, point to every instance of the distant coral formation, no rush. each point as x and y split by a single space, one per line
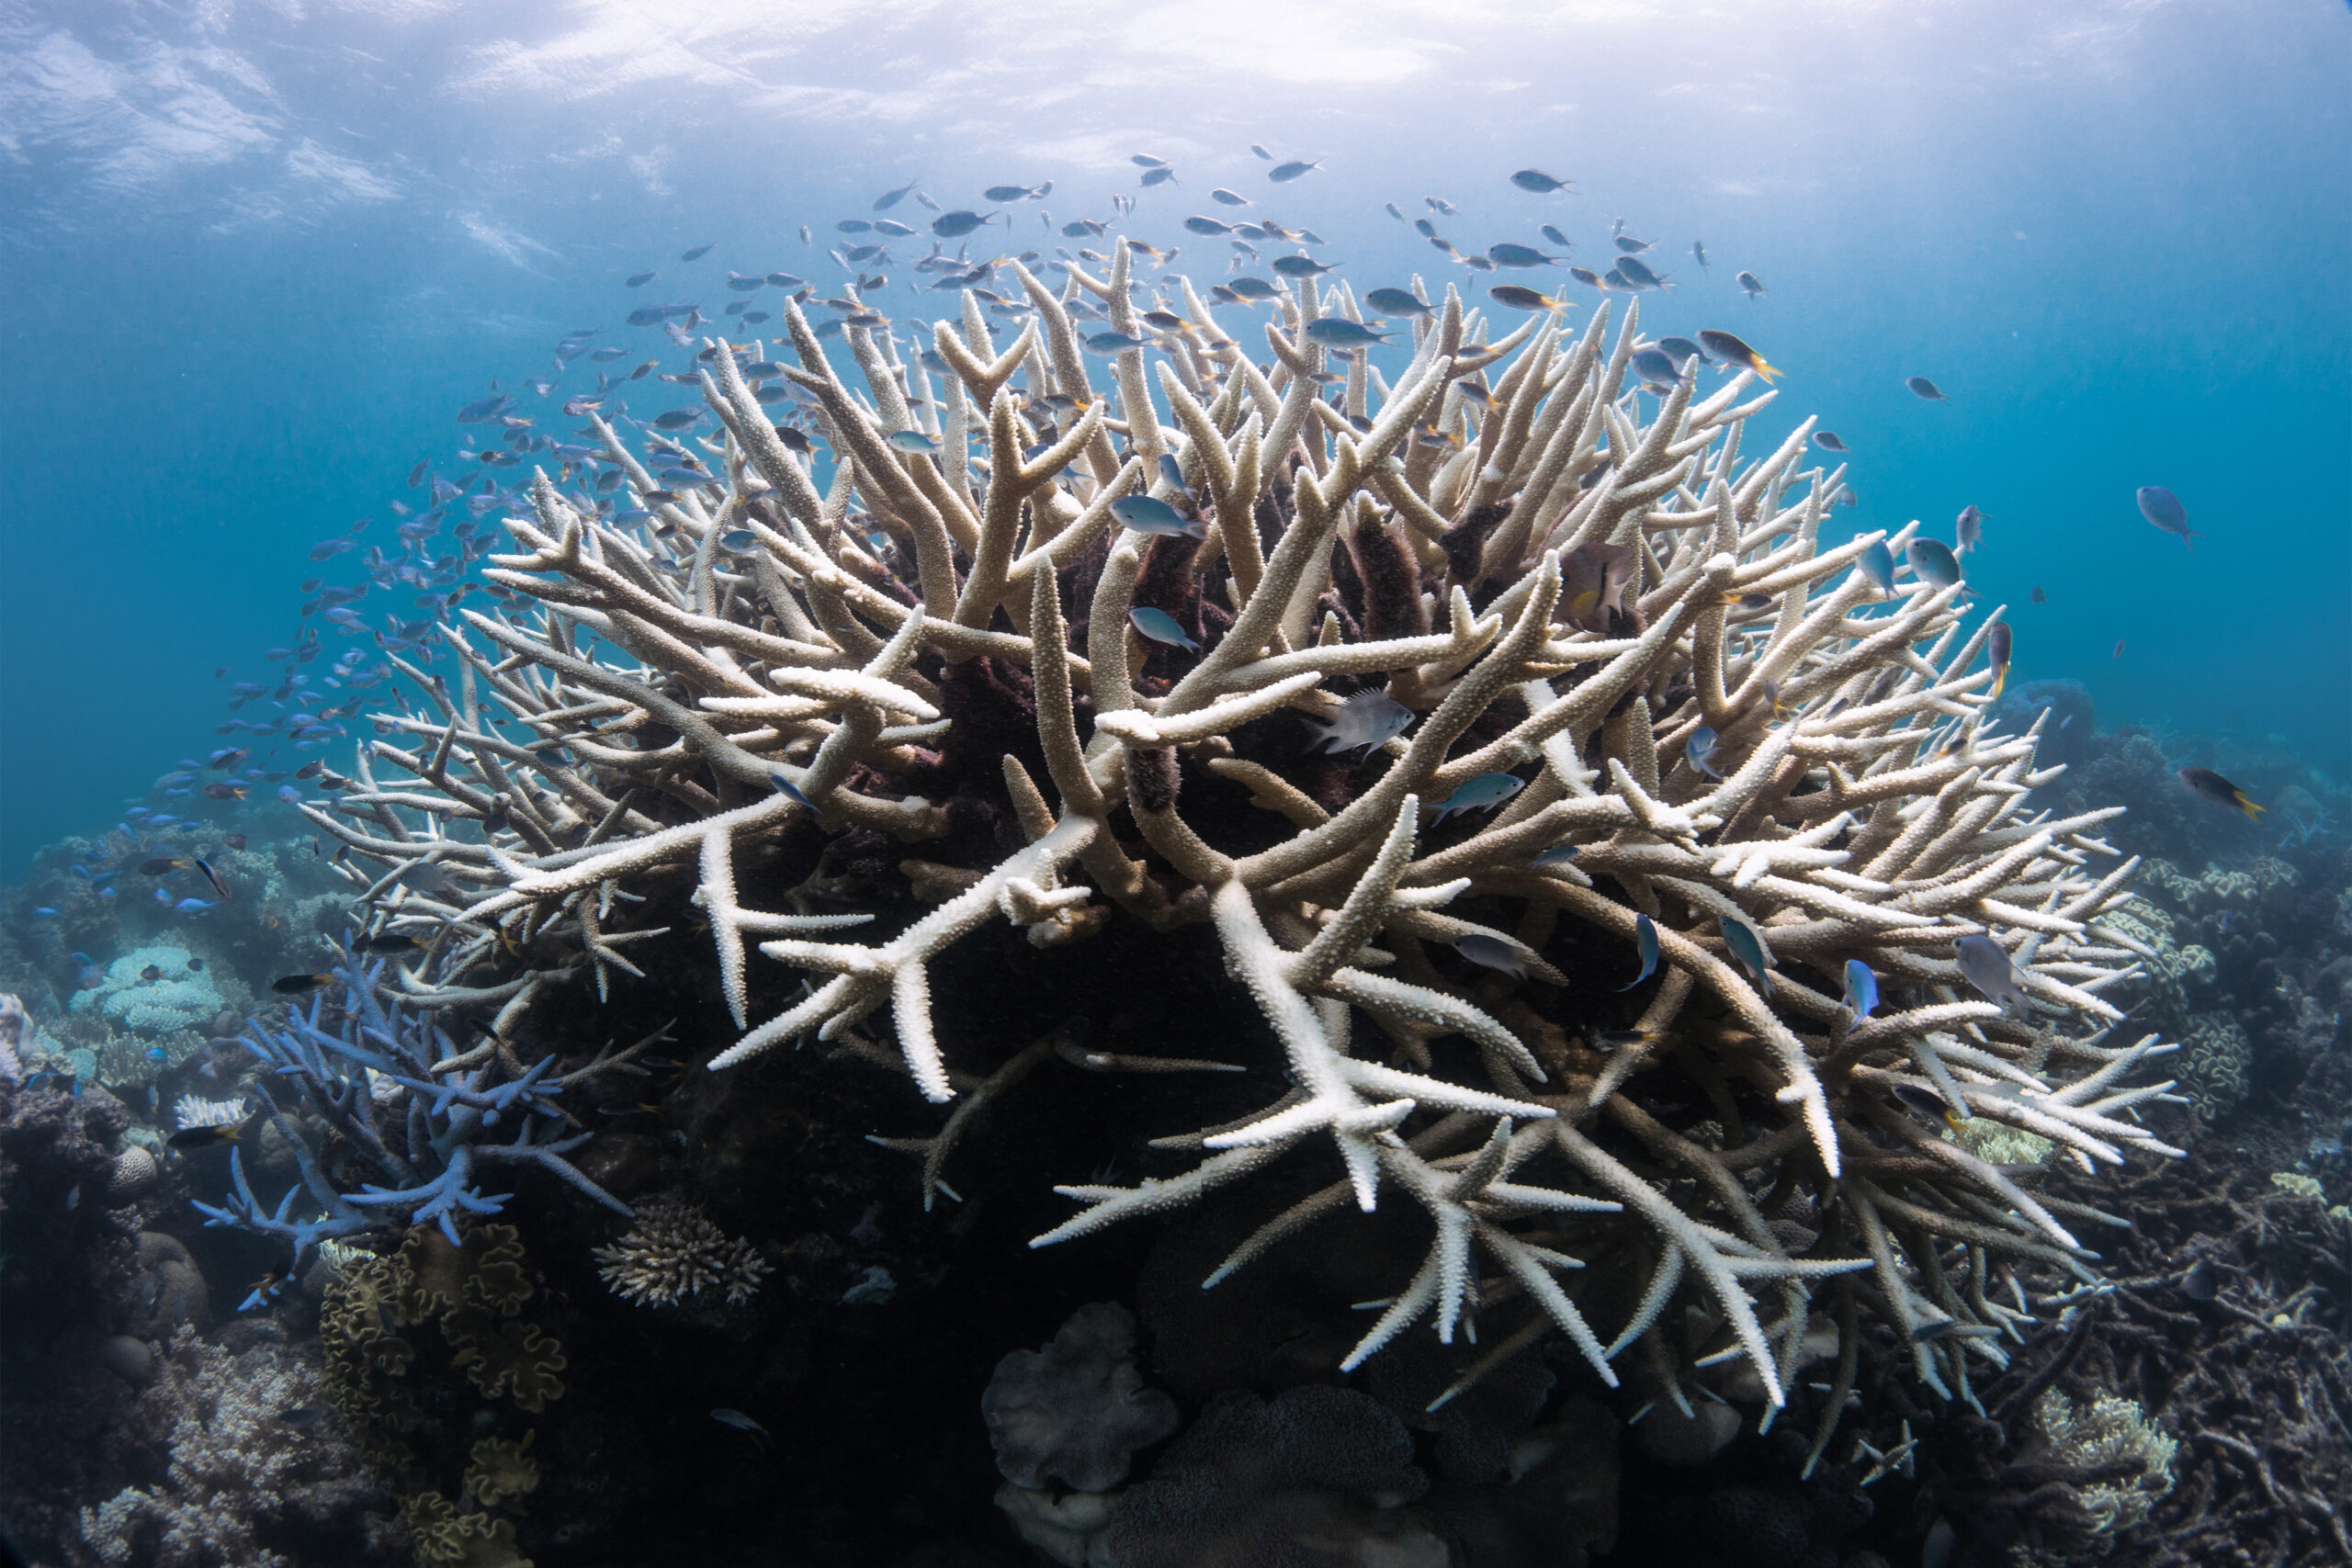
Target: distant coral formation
673 1252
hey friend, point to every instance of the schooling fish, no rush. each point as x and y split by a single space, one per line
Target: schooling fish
1235 198
1491 952
2164 509
1283 174
1365 720
1877 563
1636 274
1984 965
1338 333
1538 182
1160 626
1747 944
1921 387
2212 786
1700 752
741 1423
693 253
1480 794
1510 254
2038 595
1700 252
1753 285
1827 440
1518 297
1932 562
1397 302
955 225
1862 988
913 441
1558 854
1300 267
1998 643
1149 514
1967 529
1729 346
1645 943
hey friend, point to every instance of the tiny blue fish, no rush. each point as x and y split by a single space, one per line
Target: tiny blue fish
1169 469
157 1053
1558 854
1113 343
190 906
1397 302
1861 988
1365 720
1932 562
44 912
1491 952
913 441
1984 965
1480 794
1746 945
1338 331
1877 563
1160 626
2164 509
1645 943
1700 752
790 791
1149 514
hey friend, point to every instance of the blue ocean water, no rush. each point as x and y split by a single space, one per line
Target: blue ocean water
255 260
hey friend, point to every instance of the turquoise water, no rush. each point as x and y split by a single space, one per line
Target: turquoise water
254 264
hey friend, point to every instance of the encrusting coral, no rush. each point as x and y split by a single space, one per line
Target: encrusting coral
1618 639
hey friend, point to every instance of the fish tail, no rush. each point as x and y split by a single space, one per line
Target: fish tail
2252 812
1769 372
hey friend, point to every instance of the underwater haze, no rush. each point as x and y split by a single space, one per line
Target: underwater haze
1178 785
256 257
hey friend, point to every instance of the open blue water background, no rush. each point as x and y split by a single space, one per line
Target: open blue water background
252 258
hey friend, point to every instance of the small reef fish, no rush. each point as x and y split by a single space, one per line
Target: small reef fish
912 442
163 867
1877 563
1921 387
300 984
1149 514
790 791
1398 302
1637 276
1926 1104
1159 627
1967 529
1828 441
1538 182
1492 953
1283 174
1747 944
1984 965
211 875
1480 794
2202 1282
1619 1039
1932 562
1862 988
1752 285
1301 267
1558 854
1366 720
1700 252
2039 596
2164 509
1731 348
2210 786
741 1423
386 943
1645 943
640 279
1228 197
1998 644
1338 333
693 253
1700 752
1507 253
955 225
1518 296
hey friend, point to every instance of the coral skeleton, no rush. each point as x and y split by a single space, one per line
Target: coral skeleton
1558 578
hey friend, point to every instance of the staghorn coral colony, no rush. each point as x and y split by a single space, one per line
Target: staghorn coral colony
1466 822
1619 637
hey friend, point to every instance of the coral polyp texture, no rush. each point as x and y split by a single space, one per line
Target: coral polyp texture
1639 707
